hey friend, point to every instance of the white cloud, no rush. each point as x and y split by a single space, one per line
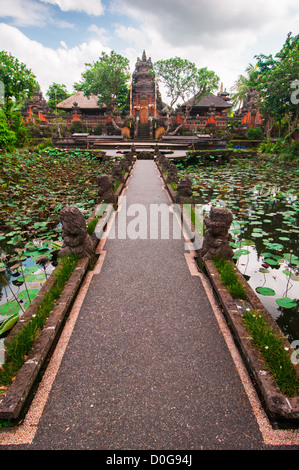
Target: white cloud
223 35
131 35
29 13
200 21
91 7
62 65
101 33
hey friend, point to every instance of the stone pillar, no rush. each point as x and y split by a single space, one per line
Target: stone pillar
217 238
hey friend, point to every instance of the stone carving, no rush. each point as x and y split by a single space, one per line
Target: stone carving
106 189
172 175
217 238
184 190
145 155
76 240
125 164
117 173
130 157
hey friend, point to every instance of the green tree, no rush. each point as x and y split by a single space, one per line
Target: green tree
243 85
184 84
19 81
108 79
8 137
275 77
56 93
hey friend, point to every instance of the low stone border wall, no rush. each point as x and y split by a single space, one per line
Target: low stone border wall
18 392
13 401
279 407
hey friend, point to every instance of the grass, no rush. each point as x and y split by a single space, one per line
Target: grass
92 225
19 347
274 352
229 278
116 185
195 219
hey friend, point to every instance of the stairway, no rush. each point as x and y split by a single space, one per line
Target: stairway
143 132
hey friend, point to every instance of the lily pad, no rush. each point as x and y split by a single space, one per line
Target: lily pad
275 246
285 302
9 308
31 269
271 262
32 294
265 291
242 252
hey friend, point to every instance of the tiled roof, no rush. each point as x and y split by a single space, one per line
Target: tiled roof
82 101
210 100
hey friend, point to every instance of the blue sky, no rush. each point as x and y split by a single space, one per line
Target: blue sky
55 38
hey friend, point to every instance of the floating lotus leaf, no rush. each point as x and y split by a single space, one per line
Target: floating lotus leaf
242 252
32 293
265 291
31 269
275 246
285 302
271 262
9 308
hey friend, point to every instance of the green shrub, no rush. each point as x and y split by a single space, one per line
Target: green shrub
8 138
255 133
98 129
76 127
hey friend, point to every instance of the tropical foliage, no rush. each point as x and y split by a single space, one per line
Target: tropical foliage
184 83
55 94
107 78
19 83
273 82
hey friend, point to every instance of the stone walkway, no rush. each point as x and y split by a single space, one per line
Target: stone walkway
146 360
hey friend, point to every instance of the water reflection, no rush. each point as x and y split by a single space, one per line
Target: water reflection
265 206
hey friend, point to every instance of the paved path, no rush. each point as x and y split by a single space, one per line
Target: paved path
146 360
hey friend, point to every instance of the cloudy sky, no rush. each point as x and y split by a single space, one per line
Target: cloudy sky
55 38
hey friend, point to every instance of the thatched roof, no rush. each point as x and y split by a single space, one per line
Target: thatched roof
82 102
209 100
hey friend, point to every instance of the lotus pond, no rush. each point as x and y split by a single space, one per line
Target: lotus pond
34 186
263 196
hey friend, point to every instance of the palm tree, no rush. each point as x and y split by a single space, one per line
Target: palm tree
242 86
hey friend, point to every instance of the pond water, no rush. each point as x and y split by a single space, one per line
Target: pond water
263 197
34 186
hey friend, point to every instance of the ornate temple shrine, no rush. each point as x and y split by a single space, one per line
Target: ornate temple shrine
143 118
